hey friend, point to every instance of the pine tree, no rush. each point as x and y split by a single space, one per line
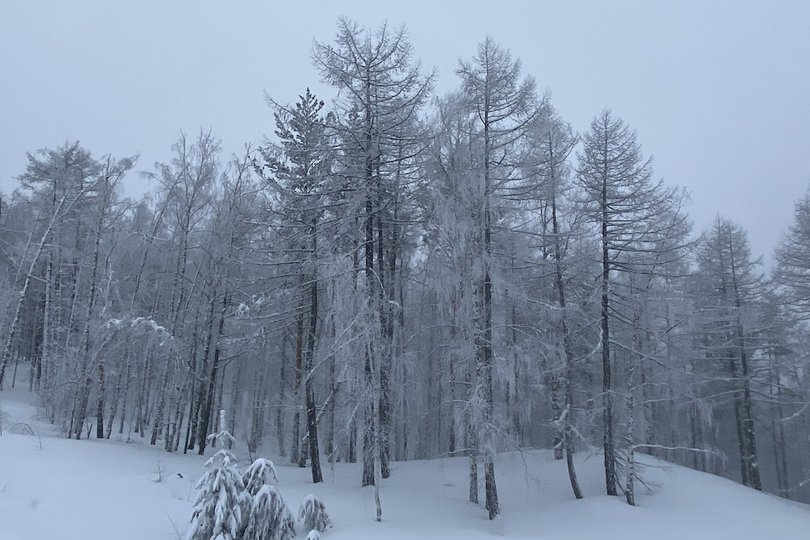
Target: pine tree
299 171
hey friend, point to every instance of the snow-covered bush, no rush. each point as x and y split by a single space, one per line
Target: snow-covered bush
217 513
260 473
312 514
269 517
314 535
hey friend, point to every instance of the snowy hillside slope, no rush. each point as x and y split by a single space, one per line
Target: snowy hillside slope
91 489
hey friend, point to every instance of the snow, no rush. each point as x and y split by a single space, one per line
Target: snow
92 489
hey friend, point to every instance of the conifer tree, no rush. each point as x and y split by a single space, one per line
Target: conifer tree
312 514
221 502
269 518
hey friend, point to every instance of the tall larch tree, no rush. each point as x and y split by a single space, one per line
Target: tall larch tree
502 103
626 206
381 89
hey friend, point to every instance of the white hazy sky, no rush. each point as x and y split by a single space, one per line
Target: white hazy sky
719 91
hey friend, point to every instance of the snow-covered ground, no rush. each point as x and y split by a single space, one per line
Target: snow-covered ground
108 490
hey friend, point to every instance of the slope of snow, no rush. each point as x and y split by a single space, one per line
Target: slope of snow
93 489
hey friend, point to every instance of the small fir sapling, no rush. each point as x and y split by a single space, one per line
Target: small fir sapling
221 500
269 517
314 535
312 514
260 473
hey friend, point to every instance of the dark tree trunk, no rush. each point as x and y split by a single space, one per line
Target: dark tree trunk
368 422
352 458
312 413
471 438
698 460
748 421
208 408
556 414
742 442
485 337
607 392
385 359
568 381
778 428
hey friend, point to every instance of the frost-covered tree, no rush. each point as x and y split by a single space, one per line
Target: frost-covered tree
221 502
502 104
59 184
269 518
451 236
217 513
260 473
728 286
628 209
382 91
793 259
550 143
312 514
299 171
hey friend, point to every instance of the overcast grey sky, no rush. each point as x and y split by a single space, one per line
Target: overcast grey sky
718 91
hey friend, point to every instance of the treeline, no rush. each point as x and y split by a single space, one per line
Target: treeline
403 275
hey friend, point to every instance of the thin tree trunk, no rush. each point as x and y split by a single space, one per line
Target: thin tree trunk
208 409
738 421
282 391
471 442
778 427
630 405
485 340
125 394
568 380
331 448
607 392
296 453
698 461
113 404
748 424
312 413
370 420
236 399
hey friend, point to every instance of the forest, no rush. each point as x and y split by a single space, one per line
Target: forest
397 275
